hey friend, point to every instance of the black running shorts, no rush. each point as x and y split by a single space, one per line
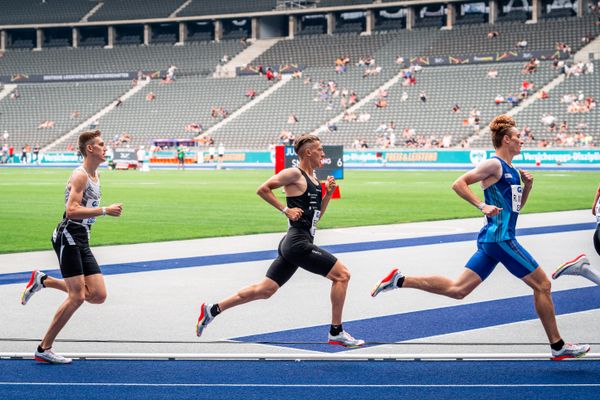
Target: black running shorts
295 250
597 239
73 251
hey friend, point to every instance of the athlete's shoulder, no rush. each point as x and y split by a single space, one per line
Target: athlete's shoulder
292 172
78 177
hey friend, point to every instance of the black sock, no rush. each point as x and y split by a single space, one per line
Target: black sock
215 310
336 330
43 279
400 282
40 350
558 345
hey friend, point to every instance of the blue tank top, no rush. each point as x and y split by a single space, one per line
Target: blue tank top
505 194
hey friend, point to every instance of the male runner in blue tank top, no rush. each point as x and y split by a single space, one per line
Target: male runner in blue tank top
83 280
305 206
505 196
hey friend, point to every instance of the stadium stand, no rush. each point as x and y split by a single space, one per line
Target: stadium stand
467 86
217 7
566 103
192 59
544 35
321 50
303 104
177 106
44 112
113 10
265 123
337 3
317 50
38 12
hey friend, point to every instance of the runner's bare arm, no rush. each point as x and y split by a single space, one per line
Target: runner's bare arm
284 178
488 171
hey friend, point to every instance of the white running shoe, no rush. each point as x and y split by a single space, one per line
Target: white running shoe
34 285
570 351
390 282
345 339
204 319
48 356
573 267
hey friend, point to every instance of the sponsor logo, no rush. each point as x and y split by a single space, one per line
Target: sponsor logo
477 156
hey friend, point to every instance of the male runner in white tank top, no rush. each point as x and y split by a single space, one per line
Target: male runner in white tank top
581 265
83 280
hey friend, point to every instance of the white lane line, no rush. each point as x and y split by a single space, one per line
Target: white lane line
269 385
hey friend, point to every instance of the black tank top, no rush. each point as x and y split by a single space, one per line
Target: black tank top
310 203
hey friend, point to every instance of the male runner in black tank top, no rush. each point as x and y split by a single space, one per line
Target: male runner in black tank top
305 206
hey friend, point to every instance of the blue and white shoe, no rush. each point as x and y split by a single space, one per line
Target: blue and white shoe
204 319
390 282
34 285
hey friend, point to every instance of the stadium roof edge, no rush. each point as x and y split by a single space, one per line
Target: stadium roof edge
305 11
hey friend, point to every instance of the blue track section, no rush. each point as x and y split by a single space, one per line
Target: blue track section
437 321
218 259
249 380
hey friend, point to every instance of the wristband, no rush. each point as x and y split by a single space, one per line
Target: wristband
104 211
284 210
480 206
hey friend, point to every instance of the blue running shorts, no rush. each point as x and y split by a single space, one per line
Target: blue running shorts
510 253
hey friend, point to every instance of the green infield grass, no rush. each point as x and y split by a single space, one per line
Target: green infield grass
173 205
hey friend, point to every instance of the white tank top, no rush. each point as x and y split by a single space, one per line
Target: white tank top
91 195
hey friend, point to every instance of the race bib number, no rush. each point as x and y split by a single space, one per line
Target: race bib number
517 195
313 227
598 211
90 204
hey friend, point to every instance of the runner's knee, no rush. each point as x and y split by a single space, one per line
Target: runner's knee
458 292
339 274
96 298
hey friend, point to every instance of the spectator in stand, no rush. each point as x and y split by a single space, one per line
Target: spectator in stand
270 75
543 95
381 103
455 108
531 66
423 96
493 35
492 73
292 119
171 73
521 44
